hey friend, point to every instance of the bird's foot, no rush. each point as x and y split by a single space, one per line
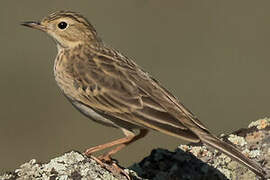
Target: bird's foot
111 165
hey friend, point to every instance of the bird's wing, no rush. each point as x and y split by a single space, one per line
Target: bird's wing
119 88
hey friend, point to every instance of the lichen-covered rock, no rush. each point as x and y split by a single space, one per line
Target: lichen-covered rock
188 162
196 161
72 165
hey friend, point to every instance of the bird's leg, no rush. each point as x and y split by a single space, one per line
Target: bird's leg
123 142
110 144
107 156
130 137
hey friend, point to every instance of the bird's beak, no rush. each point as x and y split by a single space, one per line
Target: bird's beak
34 25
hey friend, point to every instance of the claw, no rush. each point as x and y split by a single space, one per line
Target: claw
106 162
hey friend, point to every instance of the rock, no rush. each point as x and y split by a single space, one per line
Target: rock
187 162
197 161
71 165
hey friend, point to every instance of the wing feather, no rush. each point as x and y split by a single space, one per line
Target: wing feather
120 89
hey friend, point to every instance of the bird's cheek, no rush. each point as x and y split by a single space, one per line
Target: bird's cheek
54 37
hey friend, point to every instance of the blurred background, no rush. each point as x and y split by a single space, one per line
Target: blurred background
213 55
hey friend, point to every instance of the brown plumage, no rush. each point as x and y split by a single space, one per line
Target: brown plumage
111 89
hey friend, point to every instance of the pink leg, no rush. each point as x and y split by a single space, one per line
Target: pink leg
123 142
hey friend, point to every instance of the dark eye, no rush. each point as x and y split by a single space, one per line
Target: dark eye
62 25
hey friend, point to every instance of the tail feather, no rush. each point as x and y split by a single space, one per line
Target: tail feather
232 152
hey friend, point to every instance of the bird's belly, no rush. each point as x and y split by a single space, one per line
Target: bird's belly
90 113
102 118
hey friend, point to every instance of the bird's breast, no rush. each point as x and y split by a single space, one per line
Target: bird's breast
62 77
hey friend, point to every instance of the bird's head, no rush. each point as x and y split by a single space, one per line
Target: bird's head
67 28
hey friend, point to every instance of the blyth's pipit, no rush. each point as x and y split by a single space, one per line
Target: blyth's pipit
113 90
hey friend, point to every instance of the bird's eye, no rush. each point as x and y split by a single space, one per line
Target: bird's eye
62 25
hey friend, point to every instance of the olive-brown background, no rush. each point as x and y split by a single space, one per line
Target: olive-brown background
213 55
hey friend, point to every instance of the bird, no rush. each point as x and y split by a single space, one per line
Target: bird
111 89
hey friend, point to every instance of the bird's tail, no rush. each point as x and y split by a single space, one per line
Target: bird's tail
231 151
